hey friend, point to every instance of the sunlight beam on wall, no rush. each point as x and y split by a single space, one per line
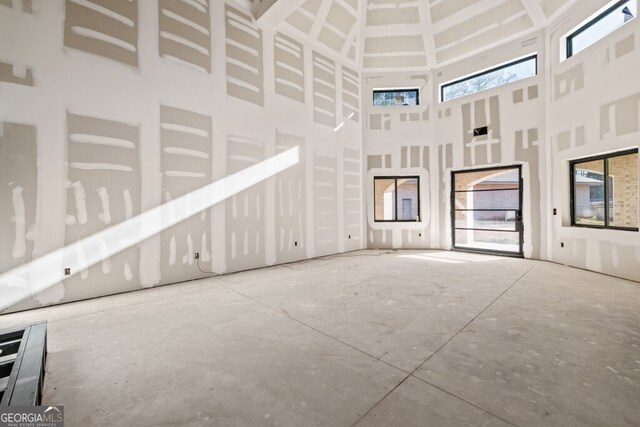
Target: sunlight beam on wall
41 273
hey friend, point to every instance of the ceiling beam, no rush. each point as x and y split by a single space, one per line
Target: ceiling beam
427 33
403 69
393 30
301 36
565 7
272 12
494 45
321 17
351 37
464 14
535 12
361 24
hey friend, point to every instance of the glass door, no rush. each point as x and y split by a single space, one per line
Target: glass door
486 210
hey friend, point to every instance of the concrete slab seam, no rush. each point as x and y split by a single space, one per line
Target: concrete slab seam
440 348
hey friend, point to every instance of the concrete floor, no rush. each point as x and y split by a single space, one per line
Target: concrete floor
377 339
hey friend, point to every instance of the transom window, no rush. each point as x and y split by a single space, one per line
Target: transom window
494 77
395 97
602 25
396 198
604 191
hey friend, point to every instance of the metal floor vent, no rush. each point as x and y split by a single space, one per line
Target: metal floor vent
23 353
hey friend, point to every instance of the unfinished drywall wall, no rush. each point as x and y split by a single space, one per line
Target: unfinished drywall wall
185 32
187 151
95 30
244 48
18 197
103 188
289 67
594 108
324 90
109 109
583 106
432 139
194 91
290 200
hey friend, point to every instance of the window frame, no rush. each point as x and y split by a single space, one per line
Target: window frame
412 89
589 24
533 56
519 217
604 158
395 178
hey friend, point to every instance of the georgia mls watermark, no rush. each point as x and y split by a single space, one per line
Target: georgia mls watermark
31 416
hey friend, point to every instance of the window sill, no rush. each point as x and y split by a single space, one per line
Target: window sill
602 227
392 221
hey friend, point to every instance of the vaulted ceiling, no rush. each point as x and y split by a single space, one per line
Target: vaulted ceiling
402 35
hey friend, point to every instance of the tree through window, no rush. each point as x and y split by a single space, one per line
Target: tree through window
511 72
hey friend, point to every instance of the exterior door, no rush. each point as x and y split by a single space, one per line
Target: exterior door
486 210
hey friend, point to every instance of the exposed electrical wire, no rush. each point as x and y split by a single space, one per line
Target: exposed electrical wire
211 273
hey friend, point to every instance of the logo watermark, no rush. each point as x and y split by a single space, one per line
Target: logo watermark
31 416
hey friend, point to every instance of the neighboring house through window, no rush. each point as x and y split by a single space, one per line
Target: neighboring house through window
396 198
611 205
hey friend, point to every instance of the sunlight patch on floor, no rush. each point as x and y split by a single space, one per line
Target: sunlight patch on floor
447 257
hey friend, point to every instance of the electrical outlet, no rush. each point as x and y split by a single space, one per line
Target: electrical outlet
67 271
562 244
555 211
197 255
349 236
419 234
295 243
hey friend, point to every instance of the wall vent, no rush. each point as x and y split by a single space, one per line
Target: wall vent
480 131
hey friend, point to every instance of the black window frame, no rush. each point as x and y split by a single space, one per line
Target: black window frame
604 158
519 222
414 90
490 70
591 23
396 178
